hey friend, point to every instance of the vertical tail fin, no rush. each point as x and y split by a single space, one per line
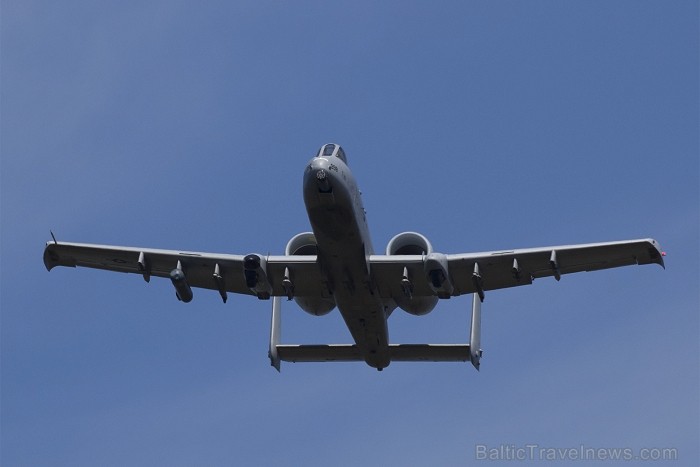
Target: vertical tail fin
475 333
275 331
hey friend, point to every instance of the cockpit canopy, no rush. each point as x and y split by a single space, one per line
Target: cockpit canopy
332 150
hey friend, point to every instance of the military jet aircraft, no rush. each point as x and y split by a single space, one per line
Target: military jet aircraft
336 266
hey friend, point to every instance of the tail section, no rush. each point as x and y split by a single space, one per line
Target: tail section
398 352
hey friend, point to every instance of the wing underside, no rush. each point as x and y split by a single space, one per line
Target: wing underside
224 272
203 270
500 269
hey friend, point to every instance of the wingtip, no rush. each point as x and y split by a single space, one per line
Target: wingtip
657 254
50 259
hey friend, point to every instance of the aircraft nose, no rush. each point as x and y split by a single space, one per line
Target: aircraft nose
319 163
319 171
324 185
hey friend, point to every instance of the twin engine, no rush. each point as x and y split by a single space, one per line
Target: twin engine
406 243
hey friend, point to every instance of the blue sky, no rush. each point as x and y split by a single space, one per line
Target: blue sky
482 125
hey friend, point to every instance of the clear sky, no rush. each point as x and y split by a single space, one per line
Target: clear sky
482 125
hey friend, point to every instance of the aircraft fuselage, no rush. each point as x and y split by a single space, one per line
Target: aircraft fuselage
337 217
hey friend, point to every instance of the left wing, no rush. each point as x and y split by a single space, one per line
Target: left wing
479 272
222 272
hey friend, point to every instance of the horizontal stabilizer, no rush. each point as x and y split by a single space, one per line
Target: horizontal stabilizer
398 353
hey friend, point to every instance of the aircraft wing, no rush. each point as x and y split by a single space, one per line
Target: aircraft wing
478 272
201 269
496 269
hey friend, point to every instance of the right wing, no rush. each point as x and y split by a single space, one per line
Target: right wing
511 268
199 268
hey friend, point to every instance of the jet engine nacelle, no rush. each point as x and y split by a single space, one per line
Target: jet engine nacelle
411 243
300 245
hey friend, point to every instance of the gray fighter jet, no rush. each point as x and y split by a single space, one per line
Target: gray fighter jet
335 266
